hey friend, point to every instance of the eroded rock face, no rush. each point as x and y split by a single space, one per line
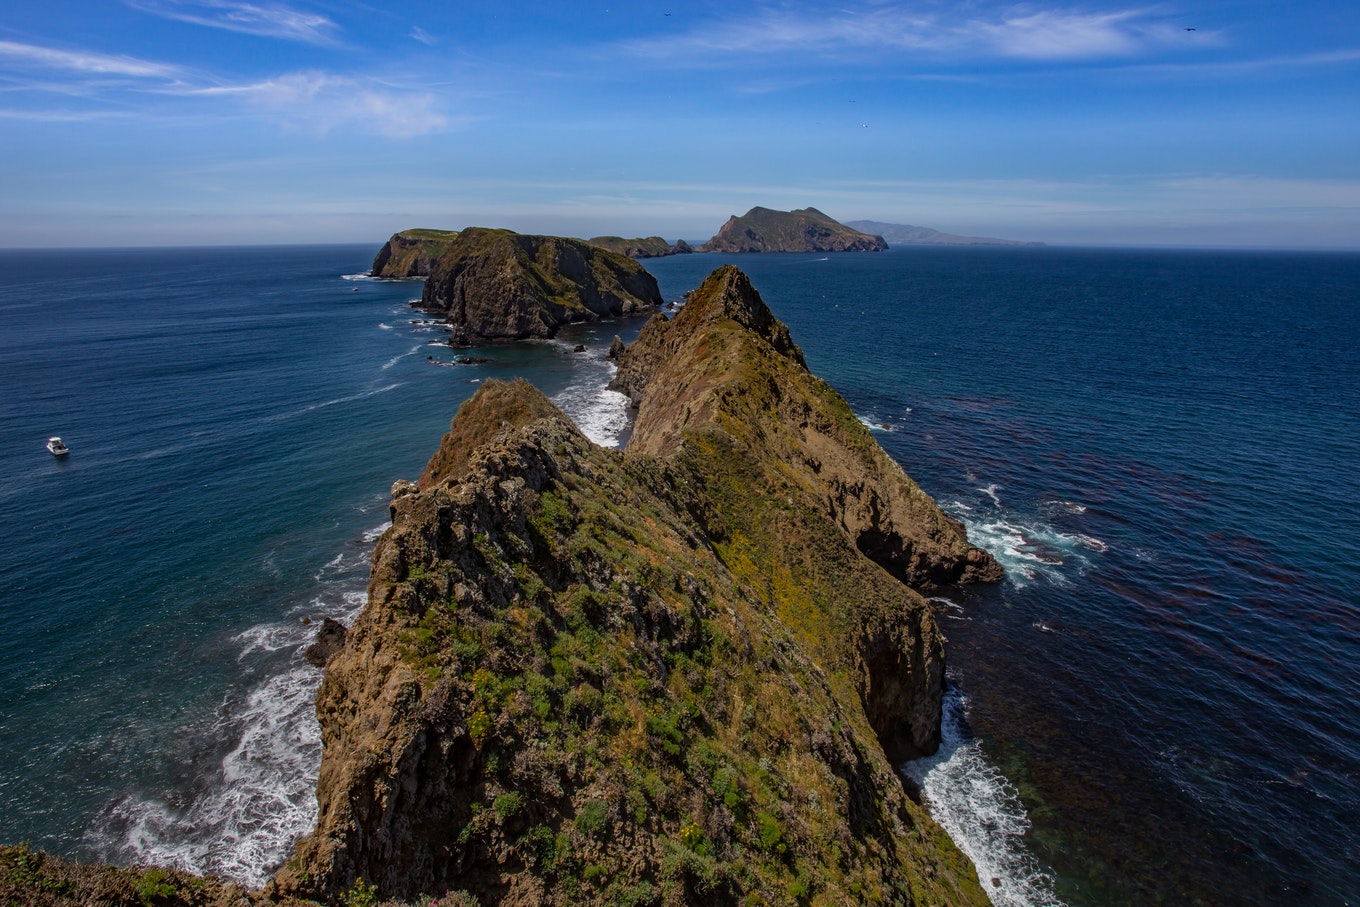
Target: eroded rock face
495 285
411 253
667 675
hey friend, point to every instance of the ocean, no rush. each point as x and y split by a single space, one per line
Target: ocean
1158 705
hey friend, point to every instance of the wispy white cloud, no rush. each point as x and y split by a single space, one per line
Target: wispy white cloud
270 20
317 101
1016 32
49 58
322 102
424 37
60 116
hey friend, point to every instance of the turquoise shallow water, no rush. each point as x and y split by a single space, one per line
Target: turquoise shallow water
1156 706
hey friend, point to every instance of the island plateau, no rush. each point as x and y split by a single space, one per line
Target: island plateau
683 673
800 230
646 247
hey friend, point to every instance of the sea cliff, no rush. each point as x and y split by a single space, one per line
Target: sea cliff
679 674
496 285
411 253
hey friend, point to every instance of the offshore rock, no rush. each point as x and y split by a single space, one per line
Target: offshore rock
800 230
669 675
496 285
329 640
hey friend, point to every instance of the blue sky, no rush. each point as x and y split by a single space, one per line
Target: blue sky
1194 122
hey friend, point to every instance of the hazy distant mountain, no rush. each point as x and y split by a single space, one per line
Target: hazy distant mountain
906 234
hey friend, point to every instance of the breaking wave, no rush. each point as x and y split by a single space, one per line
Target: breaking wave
982 812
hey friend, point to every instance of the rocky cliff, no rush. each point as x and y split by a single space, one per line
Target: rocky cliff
496 285
411 253
672 675
800 230
643 247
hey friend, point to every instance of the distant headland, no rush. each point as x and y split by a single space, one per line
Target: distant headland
907 235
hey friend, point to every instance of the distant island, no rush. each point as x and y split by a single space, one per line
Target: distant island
642 247
907 235
800 230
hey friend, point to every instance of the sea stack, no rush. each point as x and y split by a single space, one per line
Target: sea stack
679 674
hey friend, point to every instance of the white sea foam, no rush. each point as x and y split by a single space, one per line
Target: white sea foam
1028 547
948 608
364 276
601 414
1029 552
372 535
243 826
279 417
982 812
386 327
395 359
265 638
991 492
247 806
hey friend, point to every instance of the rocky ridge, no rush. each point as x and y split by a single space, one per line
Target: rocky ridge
679 674
800 230
496 285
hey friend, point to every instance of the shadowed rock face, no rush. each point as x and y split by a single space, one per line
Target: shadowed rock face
495 285
668 675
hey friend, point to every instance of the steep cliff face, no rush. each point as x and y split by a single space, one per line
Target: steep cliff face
662 676
695 374
495 285
411 253
800 230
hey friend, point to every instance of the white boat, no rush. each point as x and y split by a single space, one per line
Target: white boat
57 448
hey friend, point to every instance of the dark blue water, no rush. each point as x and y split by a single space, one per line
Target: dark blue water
236 418
1163 448
1158 705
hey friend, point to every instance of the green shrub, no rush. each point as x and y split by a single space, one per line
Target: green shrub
154 885
771 835
593 817
361 894
508 805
